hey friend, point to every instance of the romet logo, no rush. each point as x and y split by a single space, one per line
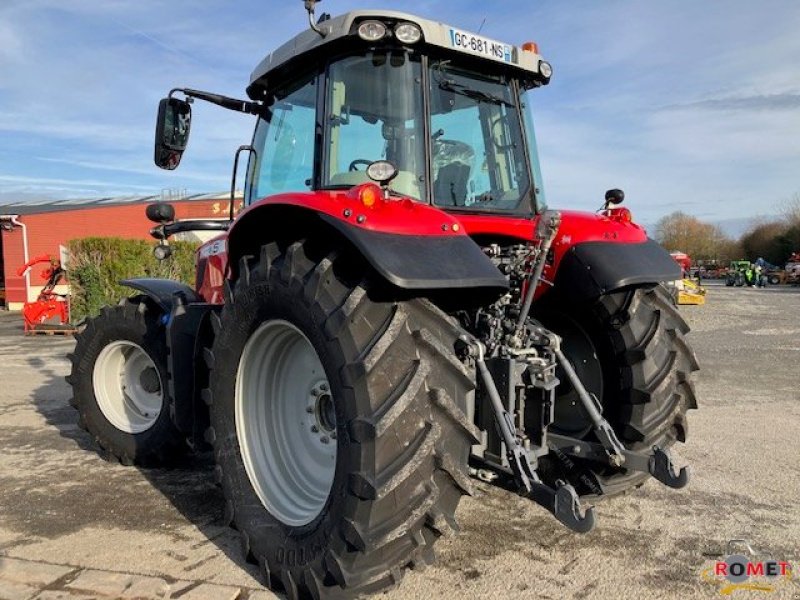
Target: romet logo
752 571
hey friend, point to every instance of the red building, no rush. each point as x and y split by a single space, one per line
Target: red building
29 229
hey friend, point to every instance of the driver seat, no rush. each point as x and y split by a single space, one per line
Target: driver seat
451 185
452 164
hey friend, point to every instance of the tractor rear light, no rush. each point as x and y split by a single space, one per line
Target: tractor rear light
620 214
545 69
408 33
369 194
372 31
530 47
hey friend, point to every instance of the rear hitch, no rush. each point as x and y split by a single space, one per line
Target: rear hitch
563 501
661 468
565 505
657 463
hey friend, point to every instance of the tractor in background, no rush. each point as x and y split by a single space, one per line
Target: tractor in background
395 310
738 273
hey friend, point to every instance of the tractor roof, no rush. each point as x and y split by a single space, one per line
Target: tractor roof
339 29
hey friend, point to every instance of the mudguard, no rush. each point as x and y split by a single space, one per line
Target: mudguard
186 321
412 245
162 291
591 269
424 262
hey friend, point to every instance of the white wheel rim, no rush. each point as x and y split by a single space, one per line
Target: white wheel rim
285 423
128 387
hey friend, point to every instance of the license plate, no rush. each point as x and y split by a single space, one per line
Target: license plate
481 46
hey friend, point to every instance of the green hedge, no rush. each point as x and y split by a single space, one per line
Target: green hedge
96 265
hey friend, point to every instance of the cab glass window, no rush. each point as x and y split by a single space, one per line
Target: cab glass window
375 112
284 143
478 157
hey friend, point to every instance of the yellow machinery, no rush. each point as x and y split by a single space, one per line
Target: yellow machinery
690 292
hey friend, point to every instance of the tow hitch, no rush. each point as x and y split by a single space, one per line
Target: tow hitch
657 464
562 501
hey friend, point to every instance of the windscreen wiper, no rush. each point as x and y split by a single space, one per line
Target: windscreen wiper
452 86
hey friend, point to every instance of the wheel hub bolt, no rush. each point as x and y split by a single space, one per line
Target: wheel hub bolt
310 409
323 387
314 429
324 439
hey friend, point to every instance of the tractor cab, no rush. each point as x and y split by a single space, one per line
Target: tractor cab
447 109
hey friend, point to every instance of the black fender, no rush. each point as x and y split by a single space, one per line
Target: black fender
410 262
424 262
162 291
590 269
187 332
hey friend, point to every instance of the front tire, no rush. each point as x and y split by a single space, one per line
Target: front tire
385 483
119 383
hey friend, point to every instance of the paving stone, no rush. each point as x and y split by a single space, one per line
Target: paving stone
102 582
263 596
152 587
63 595
209 591
28 572
10 590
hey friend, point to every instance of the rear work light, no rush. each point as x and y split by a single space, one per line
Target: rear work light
408 33
372 31
382 171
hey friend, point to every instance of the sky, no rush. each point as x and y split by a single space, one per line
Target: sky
686 105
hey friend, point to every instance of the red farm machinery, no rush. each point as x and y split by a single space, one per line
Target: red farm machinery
49 313
394 311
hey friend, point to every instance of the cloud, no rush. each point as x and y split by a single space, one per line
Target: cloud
749 103
11 46
682 104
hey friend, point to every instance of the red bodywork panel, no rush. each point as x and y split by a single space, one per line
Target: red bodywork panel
399 216
402 216
576 227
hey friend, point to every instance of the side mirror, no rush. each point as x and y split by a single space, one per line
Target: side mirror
172 132
160 212
614 196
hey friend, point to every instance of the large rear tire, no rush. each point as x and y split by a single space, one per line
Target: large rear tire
343 515
119 383
630 350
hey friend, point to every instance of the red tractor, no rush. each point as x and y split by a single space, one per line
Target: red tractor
394 311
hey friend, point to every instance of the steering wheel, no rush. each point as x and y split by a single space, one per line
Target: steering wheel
359 161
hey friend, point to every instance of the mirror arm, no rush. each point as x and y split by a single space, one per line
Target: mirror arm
162 232
243 106
158 233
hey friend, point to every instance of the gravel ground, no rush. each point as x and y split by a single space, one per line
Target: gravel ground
74 526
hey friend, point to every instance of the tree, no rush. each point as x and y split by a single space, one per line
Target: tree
791 210
702 241
765 241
